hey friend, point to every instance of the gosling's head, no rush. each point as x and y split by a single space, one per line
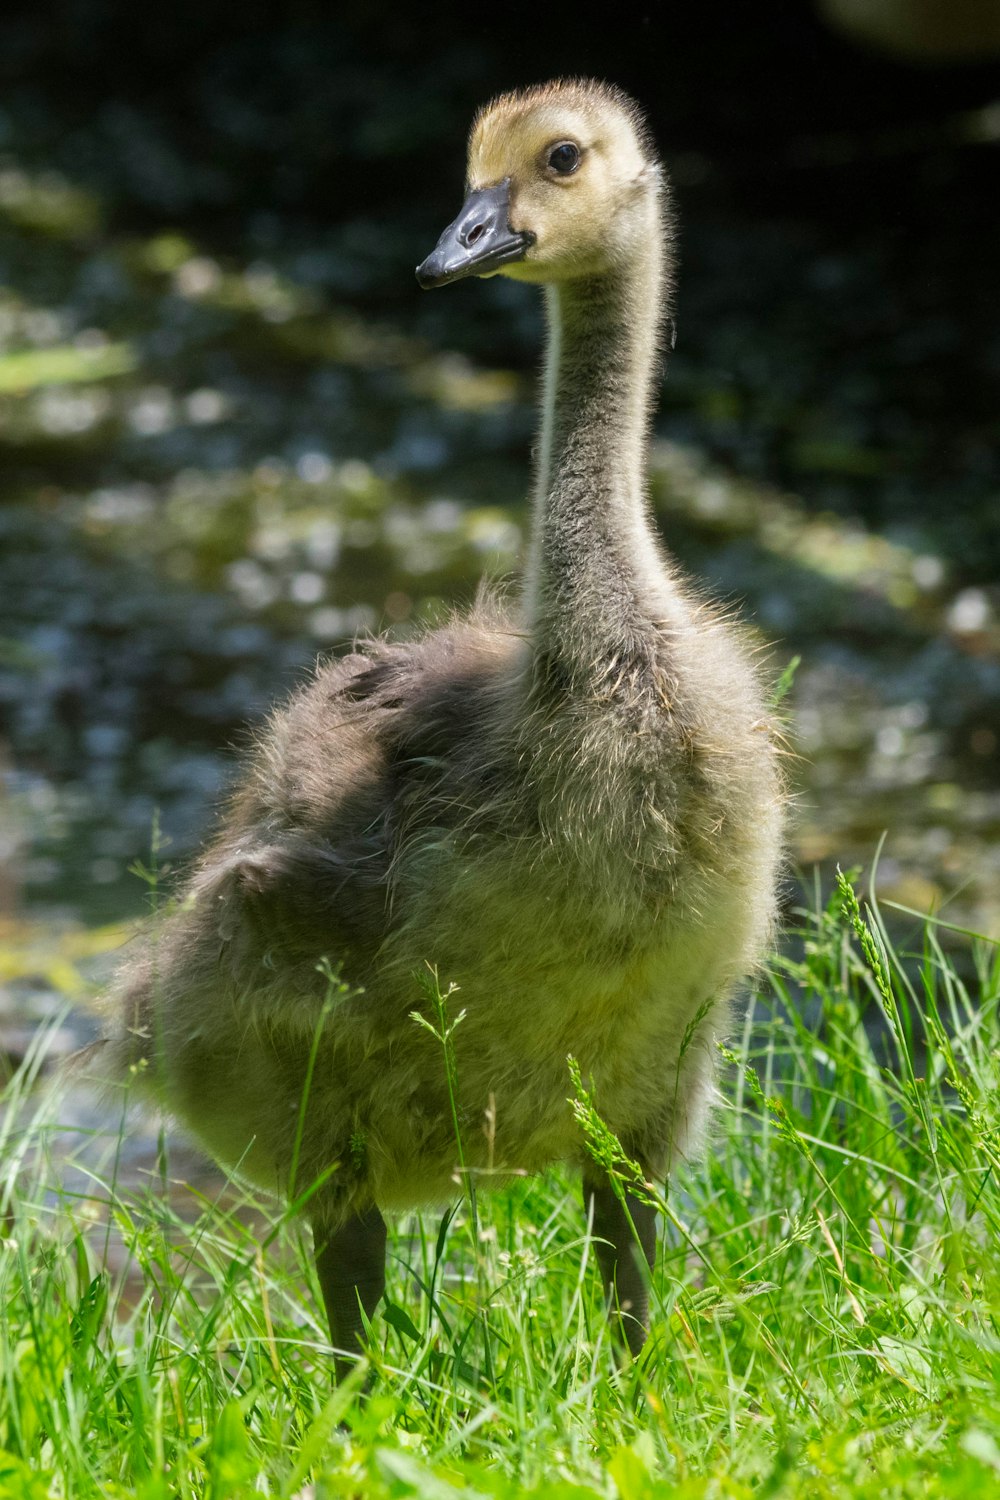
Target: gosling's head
562 182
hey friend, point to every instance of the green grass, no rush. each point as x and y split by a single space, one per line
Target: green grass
27 369
827 1297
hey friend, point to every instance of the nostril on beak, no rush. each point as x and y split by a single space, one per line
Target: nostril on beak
475 233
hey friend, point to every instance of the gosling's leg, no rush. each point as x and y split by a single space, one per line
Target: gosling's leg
625 1265
351 1266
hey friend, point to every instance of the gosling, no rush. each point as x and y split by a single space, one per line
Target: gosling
571 806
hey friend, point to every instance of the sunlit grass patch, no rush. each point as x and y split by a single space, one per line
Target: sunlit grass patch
47 204
826 1297
63 364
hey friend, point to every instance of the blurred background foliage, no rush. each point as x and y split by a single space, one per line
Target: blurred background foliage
233 432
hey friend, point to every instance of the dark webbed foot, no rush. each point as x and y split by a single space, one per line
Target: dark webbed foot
351 1266
625 1265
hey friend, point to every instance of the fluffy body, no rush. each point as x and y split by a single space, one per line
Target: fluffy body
570 805
585 892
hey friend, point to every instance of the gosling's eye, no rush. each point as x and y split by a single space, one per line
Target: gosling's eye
564 158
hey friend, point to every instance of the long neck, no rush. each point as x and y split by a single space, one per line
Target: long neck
595 578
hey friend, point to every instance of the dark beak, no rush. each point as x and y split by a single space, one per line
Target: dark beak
480 240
